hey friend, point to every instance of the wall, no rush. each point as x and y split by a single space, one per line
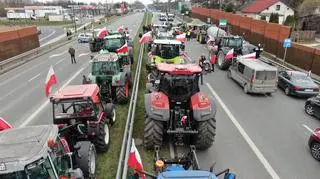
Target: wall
16 41
269 34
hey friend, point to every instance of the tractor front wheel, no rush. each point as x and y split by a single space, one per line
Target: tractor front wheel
153 133
206 133
86 159
122 93
111 113
102 138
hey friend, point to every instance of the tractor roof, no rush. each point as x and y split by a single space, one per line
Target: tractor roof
106 57
78 91
180 69
167 41
22 146
187 174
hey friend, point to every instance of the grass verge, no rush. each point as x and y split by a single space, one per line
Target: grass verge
108 162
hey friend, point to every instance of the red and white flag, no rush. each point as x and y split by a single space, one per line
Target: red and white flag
181 37
123 49
102 33
229 54
147 37
4 124
250 56
50 81
120 29
134 160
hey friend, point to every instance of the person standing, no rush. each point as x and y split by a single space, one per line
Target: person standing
72 52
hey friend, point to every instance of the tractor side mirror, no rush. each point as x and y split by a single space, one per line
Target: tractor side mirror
230 176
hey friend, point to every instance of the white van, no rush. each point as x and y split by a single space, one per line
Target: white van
254 76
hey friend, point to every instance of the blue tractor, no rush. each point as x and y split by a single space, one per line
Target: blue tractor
185 167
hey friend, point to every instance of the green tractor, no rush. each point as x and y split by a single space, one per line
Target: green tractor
164 51
112 75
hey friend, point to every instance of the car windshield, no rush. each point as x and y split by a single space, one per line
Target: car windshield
301 79
73 108
41 169
113 44
266 75
104 68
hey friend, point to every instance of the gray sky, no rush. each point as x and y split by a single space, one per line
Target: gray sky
103 1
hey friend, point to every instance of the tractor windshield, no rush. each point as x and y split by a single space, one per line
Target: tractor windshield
235 42
166 51
104 68
179 87
113 44
73 109
41 169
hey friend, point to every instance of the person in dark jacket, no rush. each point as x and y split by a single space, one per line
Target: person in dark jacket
72 52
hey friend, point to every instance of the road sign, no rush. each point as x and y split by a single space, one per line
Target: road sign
287 43
222 22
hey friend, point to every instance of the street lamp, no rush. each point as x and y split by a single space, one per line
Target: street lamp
74 18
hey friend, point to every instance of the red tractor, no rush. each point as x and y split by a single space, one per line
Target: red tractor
175 106
81 115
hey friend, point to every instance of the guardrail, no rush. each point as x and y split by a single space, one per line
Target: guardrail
14 62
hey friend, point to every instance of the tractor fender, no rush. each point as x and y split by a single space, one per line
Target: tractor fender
157 106
203 107
119 80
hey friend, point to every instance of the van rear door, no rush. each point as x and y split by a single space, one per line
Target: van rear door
265 79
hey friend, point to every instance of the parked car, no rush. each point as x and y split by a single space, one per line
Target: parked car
297 83
312 106
84 37
314 144
254 76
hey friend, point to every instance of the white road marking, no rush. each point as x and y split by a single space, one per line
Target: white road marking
246 137
309 129
35 113
53 32
34 77
83 54
59 61
58 54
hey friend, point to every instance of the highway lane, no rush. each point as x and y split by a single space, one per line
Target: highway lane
22 88
49 32
274 123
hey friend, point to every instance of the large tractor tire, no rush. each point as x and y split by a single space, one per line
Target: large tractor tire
85 159
102 139
111 113
206 133
221 62
153 132
122 93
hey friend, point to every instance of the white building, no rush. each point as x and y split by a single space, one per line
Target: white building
260 8
36 11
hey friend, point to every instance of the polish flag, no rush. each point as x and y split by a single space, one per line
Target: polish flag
102 33
147 37
123 49
134 160
120 29
229 54
50 81
181 37
250 56
4 124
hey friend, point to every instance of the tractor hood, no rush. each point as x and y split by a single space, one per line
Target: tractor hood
175 60
187 174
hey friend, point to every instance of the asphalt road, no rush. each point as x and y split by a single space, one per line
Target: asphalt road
258 136
23 100
49 32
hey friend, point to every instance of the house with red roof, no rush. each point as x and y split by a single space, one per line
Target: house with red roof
260 8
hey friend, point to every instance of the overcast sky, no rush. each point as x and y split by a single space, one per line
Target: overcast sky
103 1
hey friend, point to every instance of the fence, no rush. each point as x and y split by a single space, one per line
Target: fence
269 34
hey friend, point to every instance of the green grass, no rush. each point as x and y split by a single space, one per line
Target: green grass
108 162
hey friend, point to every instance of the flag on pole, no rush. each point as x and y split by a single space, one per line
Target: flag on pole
50 81
123 49
250 56
4 124
147 37
102 33
181 37
134 160
229 54
120 29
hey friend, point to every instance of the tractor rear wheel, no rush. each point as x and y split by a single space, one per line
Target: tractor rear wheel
222 63
153 133
102 139
86 159
122 93
206 133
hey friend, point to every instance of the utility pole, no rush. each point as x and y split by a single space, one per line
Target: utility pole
74 18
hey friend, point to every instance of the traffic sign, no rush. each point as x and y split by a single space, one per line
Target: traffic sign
222 22
287 43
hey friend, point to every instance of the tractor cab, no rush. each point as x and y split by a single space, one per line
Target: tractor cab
166 51
114 42
39 152
230 42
